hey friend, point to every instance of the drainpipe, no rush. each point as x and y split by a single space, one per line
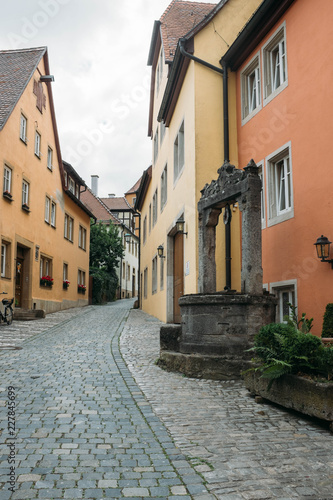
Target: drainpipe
226 159
224 72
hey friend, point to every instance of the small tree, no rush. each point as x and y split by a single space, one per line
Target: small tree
327 330
106 249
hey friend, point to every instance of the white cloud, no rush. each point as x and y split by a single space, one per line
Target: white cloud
98 54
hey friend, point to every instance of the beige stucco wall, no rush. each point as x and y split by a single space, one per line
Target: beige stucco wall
30 229
200 105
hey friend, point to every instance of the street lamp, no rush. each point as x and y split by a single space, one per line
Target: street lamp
160 251
323 249
180 226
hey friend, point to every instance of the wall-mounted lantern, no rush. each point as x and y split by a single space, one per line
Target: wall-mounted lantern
323 249
160 252
180 226
128 237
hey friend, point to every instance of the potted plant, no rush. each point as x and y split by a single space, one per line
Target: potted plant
65 284
25 207
7 195
46 281
81 288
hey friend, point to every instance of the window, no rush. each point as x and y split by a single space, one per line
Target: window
53 214
45 266
179 153
156 146
49 158
162 131
145 229
159 71
286 294
71 185
47 209
7 180
37 144
82 237
275 64
164 187
81 278
261 175
162 274
25 194
155 198
154 275
149 217
23 129
5 258
251 93
65 272
280 189
145 283
69 225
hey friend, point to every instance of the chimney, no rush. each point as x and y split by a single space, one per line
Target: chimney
111 195
94 184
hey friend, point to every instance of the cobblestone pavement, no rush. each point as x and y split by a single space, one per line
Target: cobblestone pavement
243 450
94 422
83 427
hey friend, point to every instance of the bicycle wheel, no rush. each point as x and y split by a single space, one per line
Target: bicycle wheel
8 315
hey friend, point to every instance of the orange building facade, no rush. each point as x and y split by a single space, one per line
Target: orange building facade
282 62
44 227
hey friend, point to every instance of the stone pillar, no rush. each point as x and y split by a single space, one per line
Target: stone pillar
208 220
250 206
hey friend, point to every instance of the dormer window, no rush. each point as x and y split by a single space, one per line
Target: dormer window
71 185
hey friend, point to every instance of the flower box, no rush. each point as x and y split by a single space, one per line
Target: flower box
7 195
65 284
25 207
46 281
81 289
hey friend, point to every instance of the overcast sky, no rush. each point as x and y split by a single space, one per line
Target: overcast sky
98 51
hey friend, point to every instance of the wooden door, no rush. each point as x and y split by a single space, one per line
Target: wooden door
19 282
178 275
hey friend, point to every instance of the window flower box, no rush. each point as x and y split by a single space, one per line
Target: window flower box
81 289
46 281
65 284
7 195
25 207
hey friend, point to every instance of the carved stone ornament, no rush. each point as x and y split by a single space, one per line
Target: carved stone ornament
228 175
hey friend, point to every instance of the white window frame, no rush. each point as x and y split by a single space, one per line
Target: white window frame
7 179
155 206
261 174
71 185
274 183
82 237
164 187
251 89
49 158
154 276
25 192
279 288
23 128
179 153
3 259
53 213
47 209
277 42
37 144
68 228
156 145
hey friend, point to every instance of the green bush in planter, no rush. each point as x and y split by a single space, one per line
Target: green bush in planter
327 331
281 349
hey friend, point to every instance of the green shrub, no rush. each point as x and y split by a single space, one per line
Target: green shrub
104 286
281 349
327 330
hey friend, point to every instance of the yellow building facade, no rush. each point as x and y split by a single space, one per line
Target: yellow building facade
44 227
186 128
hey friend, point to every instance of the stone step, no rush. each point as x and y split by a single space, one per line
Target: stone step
28 314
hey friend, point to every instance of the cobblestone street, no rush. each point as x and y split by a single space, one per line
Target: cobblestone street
96 418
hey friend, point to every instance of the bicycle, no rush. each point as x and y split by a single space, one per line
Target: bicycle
7 315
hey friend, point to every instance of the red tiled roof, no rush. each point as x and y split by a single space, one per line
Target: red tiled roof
16 70
116 204
179 18
97 207
135 187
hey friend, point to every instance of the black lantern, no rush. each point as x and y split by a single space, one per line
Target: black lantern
127 237
160 251
323 249
180 225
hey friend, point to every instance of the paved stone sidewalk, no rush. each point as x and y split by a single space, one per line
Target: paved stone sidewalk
242 449
84 429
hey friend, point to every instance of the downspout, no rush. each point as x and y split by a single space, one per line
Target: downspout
224 72
226 160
